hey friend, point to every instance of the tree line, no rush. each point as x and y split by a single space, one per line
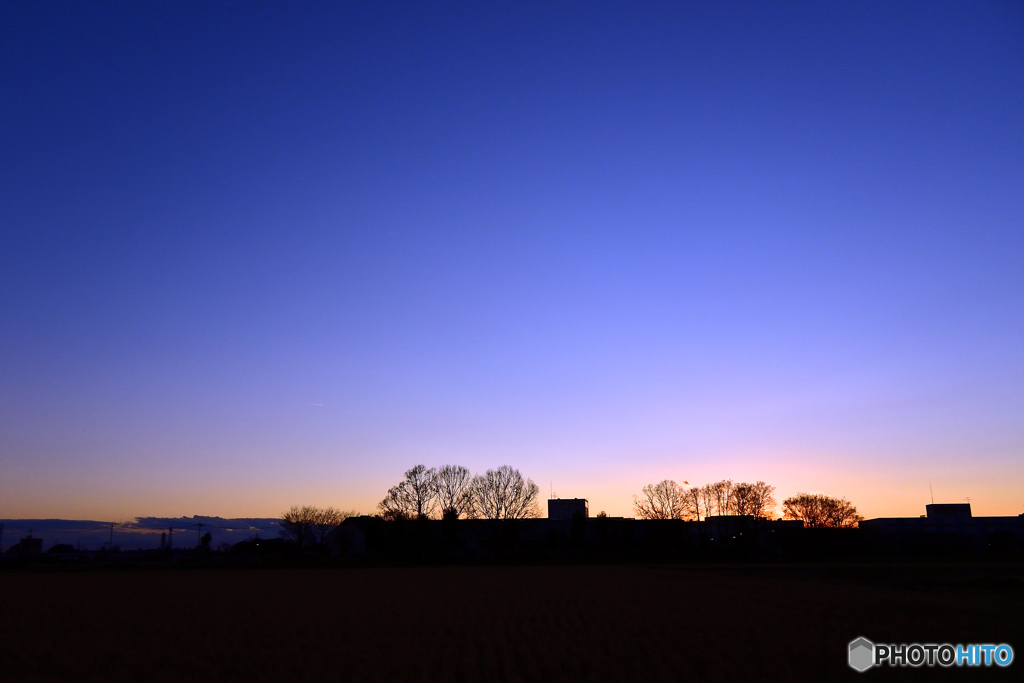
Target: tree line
309 525
671 500
816 510
452 492
449 491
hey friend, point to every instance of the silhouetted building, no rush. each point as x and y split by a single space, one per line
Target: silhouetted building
565 508
947 527
27 546
948 510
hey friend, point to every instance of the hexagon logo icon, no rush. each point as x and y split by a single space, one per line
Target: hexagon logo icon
862 654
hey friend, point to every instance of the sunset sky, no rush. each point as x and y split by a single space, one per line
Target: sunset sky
262 254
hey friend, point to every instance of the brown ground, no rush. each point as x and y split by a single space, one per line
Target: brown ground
535 623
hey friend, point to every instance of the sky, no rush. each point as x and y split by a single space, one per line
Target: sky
255 255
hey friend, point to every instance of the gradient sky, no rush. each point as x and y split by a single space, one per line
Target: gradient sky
262 254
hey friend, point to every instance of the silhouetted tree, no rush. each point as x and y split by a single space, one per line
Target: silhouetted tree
821 511
698 502
664 500
297 524
415 496
326 520
396 504
310 524
720 493
504 494
422 485
454 493
752 499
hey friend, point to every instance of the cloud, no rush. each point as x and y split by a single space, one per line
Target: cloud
143 532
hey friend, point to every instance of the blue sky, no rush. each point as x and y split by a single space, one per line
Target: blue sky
255 255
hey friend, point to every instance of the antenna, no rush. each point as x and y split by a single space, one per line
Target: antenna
931 492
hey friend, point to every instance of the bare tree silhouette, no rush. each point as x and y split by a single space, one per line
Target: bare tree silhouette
414 496
504 494
821 511
664 500
454 493
396 504
326 520
309 524
297 524
422 485
755 499
698 502
721 494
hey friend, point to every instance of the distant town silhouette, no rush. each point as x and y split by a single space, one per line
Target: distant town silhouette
446 514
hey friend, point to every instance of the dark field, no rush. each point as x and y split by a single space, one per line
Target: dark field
519 623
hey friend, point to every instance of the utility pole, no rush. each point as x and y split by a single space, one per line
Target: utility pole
199 531
1 537
170 531
111 546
